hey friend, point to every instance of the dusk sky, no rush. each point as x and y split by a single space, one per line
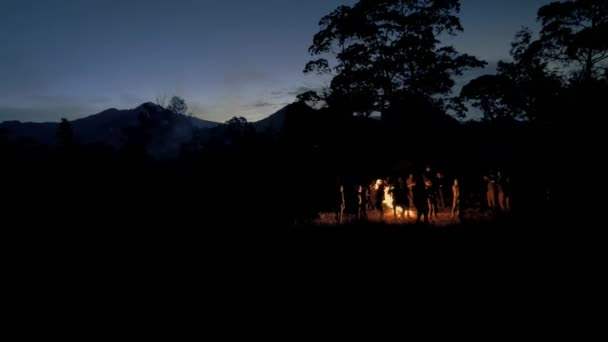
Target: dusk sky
73 58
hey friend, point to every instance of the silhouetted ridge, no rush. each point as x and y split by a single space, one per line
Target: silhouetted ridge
273 123
108 127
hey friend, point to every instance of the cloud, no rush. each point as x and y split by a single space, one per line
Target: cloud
48 100
19 76
245 76
37 114
42 107
21 114
100 100
299 90
263 104
200 110
290 93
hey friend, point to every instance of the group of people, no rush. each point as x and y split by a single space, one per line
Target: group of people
424 194
498 191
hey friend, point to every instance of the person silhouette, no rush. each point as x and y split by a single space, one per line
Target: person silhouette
400 198
362 197
340 203
421 201
371 195
410 183
500 187
455 199
431 195
507 192
440 186
490 191
391 192
380 186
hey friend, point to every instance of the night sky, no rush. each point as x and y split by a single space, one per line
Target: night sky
73 58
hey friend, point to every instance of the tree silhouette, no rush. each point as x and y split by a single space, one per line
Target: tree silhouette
178 105
310 98
238 129
574 32
488 93
521 89
161 100
389 49
65 134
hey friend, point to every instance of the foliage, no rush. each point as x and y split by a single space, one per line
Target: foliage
389 49
178 105
521 89
574 34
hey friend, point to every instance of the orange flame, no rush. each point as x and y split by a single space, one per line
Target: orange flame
388 199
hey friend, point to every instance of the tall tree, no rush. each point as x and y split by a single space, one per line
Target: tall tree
387 50
178 105
575 32
523 88
239 131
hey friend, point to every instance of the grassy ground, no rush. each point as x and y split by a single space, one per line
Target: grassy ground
444 218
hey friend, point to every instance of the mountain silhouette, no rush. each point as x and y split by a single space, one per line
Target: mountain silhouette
274 123
108 126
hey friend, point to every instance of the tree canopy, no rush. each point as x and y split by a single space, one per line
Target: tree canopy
178 105
565 64
383 51
574 33
521 89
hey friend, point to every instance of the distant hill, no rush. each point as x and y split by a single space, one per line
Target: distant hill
108 127
43 133
273 124
293 118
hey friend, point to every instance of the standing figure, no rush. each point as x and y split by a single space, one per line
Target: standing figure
371 195
455 199
431 196
421 201
368 196
410 183
441 188
392 189
340 204
490 191
400 197
500 182
507 190
380 186
362 197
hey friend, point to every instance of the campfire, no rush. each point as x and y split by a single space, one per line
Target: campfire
388 201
